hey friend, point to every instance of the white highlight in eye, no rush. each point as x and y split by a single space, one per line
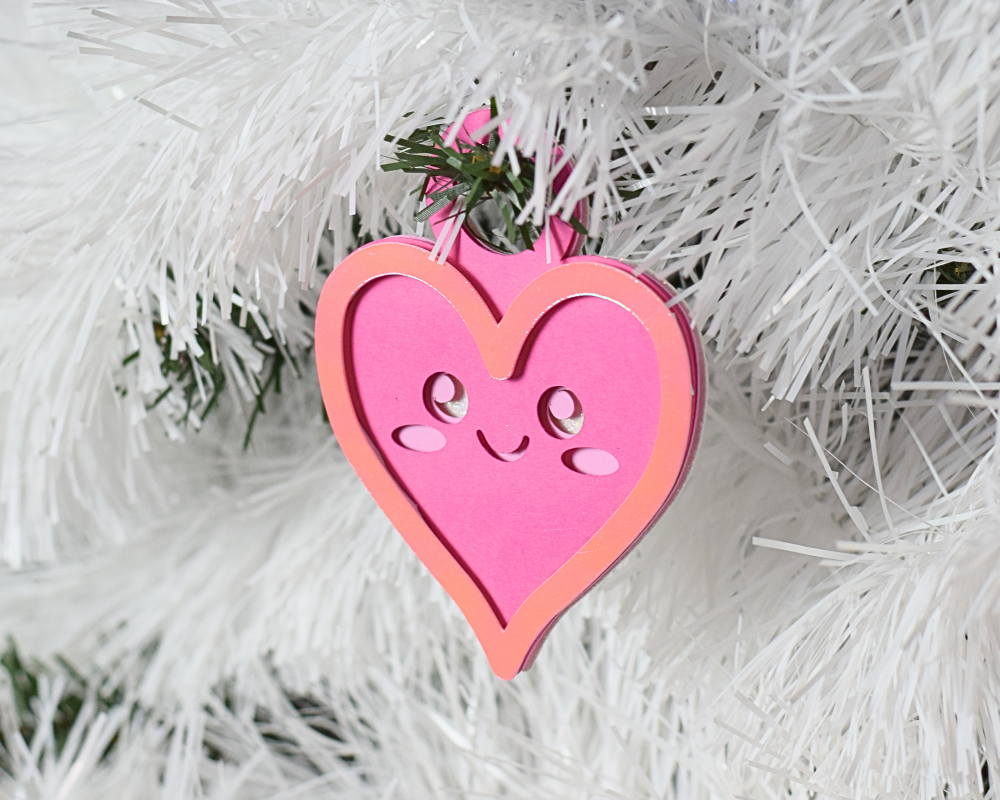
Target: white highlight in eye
561 404
443 388
445 397
561 413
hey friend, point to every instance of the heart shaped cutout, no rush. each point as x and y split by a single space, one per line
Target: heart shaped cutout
520 459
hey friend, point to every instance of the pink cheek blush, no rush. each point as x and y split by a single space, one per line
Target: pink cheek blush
590 461
419 438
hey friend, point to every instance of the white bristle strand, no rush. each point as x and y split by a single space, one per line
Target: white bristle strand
808 172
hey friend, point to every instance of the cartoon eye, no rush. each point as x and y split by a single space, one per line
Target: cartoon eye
561 413
445 397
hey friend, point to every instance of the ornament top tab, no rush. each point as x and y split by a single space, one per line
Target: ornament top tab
523 420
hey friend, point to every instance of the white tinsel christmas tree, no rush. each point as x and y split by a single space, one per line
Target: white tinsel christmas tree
201 597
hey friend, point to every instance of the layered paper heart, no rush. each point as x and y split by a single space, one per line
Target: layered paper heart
522 436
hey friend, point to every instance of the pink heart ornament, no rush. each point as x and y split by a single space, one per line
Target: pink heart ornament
522 423
514 541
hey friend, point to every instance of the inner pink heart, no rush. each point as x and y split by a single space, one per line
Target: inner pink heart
502 476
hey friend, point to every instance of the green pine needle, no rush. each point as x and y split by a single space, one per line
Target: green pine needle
24 683
467 171
954 272
577 226
183 383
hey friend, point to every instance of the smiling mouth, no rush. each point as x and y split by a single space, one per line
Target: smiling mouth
514 455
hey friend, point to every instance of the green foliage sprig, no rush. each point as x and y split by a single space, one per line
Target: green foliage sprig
466 170
954 272
24 683
179 370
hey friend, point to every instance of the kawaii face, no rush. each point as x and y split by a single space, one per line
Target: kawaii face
514 475
560 415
